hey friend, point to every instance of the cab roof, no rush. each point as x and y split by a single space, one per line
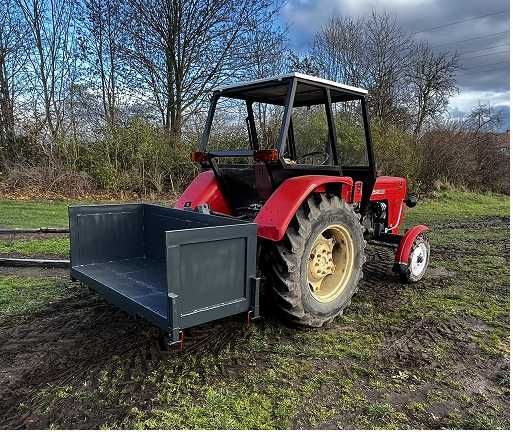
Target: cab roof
274 90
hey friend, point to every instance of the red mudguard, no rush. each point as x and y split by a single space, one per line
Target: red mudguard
275 216
204 189
402 253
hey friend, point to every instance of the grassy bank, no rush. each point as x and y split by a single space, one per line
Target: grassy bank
441 207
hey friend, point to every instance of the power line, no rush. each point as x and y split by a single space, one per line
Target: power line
460 21
483 49
484 55
480 72
484 65
471 39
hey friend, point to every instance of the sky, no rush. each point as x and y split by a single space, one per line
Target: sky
482 40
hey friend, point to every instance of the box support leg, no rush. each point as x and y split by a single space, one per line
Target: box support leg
254 311
176 336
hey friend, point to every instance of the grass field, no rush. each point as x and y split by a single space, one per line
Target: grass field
49 246
431 355
33 214
41 214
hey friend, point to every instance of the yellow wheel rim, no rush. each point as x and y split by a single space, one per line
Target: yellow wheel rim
330 263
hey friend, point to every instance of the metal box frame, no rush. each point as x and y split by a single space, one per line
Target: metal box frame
175 268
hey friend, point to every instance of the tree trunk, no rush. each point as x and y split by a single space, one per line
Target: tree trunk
6 112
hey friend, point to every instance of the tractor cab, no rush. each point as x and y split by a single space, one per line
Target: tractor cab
260 133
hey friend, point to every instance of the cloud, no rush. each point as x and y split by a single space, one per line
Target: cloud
470 99
462 104
482 44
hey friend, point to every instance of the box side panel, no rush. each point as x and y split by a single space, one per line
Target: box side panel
209 270
105 233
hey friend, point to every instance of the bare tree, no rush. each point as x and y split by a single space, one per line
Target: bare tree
303 64
432 81
182 49
103 25
369 52
338 51
263 53
408 84
50 24
12 60
387 51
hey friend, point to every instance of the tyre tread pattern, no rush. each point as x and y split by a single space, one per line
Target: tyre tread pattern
285 260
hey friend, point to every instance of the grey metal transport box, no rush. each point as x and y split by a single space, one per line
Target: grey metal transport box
175 268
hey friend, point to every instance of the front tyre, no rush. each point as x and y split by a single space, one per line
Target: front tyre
316 268
418 261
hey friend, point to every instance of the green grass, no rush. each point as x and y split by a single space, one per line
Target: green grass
33 214
36 247
450 206
25 295
445 206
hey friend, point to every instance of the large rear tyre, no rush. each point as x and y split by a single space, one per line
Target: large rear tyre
316 268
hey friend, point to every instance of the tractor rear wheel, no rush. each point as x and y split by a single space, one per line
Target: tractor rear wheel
316 268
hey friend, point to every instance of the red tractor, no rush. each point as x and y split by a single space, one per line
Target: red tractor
292 209
315 202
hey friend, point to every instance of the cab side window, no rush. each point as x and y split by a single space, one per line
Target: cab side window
351 143
311 134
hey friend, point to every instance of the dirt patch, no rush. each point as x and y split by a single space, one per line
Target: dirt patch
36 272
62 344
493 221
439 273
72 340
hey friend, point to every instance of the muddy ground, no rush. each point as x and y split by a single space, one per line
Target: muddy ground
80 363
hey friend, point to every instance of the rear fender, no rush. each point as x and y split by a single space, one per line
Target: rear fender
402 253
276 214
204 189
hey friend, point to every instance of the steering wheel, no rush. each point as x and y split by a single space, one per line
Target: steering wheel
303 157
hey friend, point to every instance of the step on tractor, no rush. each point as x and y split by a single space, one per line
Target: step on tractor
285 201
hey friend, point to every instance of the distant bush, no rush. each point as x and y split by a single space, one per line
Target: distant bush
396 153
139 157
464 158
48 179
136 157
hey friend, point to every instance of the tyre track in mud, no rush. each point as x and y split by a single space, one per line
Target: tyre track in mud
61 344
411 346
75 338
494 221
472 246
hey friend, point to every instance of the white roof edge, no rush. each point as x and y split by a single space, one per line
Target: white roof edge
297 75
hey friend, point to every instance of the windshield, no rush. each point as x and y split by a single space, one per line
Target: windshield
351 141
230 125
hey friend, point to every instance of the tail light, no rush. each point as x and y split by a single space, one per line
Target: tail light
198 156
357 192
266 155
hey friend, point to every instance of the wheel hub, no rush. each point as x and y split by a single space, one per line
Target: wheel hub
418 259
330 263
321 262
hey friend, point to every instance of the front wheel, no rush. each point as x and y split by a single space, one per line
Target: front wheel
418 261
316 268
